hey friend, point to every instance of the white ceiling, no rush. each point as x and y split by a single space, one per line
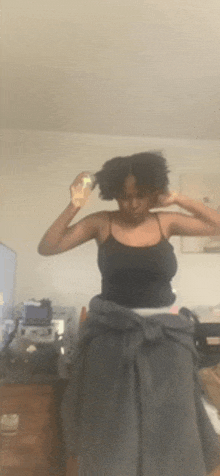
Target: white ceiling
127 67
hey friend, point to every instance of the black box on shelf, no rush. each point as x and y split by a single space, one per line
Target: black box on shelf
37 313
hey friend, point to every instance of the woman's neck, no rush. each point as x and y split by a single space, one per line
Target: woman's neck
129 221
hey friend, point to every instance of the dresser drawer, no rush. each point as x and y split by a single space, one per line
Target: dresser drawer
21 399
31 447
211 384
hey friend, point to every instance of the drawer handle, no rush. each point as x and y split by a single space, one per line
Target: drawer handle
9 424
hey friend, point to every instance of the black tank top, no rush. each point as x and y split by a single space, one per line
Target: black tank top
137 277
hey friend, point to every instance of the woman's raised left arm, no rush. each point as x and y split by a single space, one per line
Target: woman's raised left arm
204 220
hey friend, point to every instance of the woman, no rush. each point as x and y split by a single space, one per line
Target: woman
133 405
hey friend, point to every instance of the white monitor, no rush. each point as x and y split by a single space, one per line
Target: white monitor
7 281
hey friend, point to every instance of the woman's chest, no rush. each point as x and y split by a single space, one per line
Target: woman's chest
143 235
152 261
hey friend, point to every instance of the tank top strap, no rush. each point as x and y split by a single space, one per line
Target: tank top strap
110 225
159 224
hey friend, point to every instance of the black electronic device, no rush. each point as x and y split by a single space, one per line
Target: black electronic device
37 313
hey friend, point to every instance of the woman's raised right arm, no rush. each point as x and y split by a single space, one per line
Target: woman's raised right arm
60 236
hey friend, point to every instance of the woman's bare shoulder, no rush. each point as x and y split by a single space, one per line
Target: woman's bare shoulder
100 221
165 216
101 216
166 220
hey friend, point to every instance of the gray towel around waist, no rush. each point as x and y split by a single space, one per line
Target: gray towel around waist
133 404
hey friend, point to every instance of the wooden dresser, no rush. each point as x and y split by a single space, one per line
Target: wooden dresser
31 436
210 378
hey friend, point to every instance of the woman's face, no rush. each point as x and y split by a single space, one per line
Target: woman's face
133 204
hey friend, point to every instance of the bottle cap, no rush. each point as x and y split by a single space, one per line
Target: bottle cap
89 181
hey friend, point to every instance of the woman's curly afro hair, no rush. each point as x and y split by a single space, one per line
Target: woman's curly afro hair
149 168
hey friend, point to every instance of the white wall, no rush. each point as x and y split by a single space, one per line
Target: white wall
38 168
122 67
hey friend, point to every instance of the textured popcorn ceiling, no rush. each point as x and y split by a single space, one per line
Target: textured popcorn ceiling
121 67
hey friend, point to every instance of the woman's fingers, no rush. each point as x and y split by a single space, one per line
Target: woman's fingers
79 179
166 200
78 190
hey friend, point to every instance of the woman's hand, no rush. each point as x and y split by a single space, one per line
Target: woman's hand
165 200
79 192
